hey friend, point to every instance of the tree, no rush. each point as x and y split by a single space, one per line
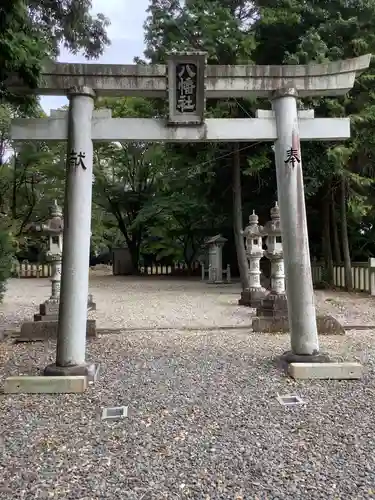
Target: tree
264 32
34 30
127 175
319 31
6 257
181 214
222 30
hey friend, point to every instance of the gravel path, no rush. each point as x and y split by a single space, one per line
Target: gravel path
131 303
139 303
204 422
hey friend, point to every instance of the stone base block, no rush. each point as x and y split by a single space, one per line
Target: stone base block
273 306
48 308
252 298
323 371
86 370
49 317
46 330
327 325
91 305
45 385
268 324
52 308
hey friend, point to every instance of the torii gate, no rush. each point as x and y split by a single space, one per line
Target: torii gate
188 81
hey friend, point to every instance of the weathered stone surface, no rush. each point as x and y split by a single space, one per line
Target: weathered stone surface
337 371
273 306
49 317
91 305
269 324
334 78
52 309
44 330
327 325
45 385
252 298
48 308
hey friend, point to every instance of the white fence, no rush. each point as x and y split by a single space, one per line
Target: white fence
27 270
363 275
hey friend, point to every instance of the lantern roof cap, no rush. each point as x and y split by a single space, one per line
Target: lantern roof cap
216 239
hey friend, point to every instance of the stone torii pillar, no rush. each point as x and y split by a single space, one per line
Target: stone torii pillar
290 189
71 339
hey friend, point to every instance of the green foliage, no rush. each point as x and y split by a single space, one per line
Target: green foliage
6 259
162 200
33 31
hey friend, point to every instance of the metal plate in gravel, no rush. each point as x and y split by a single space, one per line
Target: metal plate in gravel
290 400
114 413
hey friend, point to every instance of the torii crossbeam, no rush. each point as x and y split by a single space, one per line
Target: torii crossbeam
104 128
188 81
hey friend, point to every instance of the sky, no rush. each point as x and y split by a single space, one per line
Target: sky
126 35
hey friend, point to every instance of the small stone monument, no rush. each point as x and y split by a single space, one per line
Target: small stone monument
254 251
274 306
215 259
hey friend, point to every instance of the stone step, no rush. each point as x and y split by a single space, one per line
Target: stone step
45 385
33 331
326 324
323 371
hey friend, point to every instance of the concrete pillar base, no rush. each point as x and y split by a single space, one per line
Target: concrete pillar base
317 357
87 370
253 297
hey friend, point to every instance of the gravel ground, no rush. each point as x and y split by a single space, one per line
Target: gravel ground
204 422
138 303
131 303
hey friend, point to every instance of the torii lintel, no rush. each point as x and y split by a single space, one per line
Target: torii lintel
329 79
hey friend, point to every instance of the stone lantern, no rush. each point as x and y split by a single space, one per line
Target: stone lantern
274 251
254 252
53 228
275 304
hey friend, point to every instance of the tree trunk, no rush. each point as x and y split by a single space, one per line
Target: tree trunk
326 236
237 220
134 255
335 232
344 236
